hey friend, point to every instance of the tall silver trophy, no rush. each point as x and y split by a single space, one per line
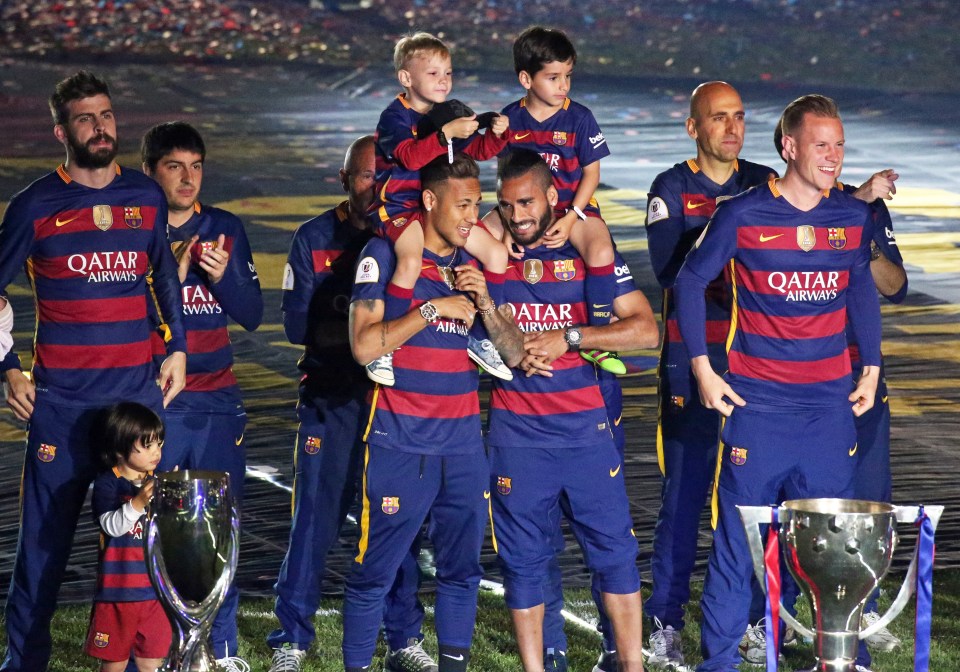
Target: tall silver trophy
193 538
837 550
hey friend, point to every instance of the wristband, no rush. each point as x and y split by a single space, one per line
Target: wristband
875 252
579 213
485 312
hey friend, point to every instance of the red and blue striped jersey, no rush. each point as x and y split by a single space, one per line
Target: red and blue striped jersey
545 290
400 155
122 575
679 204
317 283
796 277
433 408
211 385
567 141
87 253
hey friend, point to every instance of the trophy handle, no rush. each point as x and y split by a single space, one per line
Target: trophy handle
753 517
905 514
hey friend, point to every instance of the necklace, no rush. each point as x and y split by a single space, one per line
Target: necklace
446 270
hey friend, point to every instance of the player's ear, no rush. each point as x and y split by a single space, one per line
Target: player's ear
403 76
345 180
552 196
789 150
146 169
526 81
692 127
429 200
60 133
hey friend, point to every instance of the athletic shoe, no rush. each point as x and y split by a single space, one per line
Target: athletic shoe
555 661
665 651
486 356
753 645
232 664
380 370
863 668
882 639
288 658
410 659
608 662
608 361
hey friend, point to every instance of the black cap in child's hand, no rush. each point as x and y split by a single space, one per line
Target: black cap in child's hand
443 113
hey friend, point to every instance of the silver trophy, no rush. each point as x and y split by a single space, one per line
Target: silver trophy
838 550
193 538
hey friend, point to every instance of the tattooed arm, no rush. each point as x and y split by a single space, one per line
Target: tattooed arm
498 321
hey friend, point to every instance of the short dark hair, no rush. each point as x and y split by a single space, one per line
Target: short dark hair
537 46
124 425
441 169
165 138
83 84
813 103
518 163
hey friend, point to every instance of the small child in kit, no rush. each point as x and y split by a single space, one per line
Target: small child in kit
127 617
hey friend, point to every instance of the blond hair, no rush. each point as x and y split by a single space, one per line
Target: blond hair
418 44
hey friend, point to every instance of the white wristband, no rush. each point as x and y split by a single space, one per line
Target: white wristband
6 326
579 213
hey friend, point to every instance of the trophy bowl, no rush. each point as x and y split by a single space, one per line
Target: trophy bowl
193 538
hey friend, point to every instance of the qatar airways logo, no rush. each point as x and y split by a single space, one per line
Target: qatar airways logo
541 316
105 266
197 300
805 285
452 327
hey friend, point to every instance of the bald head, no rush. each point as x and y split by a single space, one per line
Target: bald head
716 124
358 177
702 96
355 157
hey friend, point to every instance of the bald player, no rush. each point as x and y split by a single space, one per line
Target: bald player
680 202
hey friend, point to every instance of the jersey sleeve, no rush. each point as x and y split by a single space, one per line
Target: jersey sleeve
884 238
299 283
238 291
166 282
863 306
591 145
373 271
667 237
396 140
715 247
16 241
486 145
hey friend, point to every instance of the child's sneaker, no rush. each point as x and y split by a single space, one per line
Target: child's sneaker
486 356
380 370
608 361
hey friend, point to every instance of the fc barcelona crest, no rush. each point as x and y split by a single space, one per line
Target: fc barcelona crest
101 640
103 217
503 485
46 452
564 270
560 138
532 270
390 505
738 456
837 238
132 217
312 445
806 237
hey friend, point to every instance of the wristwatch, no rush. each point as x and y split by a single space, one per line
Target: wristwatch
429 312
573 336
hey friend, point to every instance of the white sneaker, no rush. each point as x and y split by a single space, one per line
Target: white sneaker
753 645
288 658
411 658
881 640
665 651
861 668
232 664
485 355
380 370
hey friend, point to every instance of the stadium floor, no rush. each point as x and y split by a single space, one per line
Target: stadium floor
275 139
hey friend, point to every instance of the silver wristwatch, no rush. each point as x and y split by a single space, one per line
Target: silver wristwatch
573 336
429 312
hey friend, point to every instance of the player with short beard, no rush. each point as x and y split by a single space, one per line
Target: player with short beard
88 234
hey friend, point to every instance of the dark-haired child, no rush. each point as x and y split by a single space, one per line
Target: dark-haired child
127 617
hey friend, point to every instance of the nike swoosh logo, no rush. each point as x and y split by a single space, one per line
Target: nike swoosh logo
694 206
327 262
447 655
884 399
765 239
614 472
486 494
598 306
517 136
65 222
239 441
853 451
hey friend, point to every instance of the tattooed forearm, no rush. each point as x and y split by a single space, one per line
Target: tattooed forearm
383 334
505 335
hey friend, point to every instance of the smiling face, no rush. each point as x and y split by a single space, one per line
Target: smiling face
453 207
526 207
428 79
814 152
90 132
716 123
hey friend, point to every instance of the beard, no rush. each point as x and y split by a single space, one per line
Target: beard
529 238
86 158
